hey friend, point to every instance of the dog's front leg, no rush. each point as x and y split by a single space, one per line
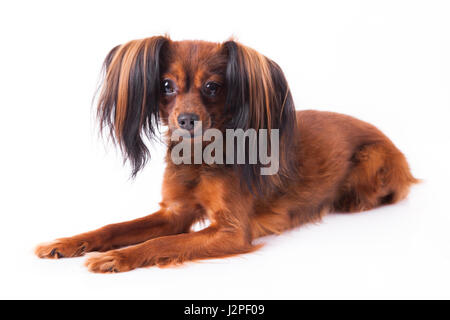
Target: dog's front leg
164 222
211 242
228 234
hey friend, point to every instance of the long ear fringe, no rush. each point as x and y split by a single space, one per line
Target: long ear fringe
129 97
258 97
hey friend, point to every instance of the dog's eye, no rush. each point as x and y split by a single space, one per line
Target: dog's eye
168 87
211 88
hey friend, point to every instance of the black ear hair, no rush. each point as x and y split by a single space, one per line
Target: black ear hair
258 97
129 98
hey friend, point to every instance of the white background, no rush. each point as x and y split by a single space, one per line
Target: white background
386 62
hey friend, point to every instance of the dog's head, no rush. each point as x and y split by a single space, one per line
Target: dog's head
157 81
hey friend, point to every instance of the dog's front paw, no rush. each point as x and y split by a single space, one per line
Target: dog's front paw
109 262
61 248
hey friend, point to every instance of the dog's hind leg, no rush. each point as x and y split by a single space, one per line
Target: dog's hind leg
379 174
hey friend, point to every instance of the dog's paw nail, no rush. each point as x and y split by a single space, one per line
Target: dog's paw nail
60 249
56 254
113 270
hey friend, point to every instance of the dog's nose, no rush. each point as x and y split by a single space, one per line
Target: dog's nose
186 120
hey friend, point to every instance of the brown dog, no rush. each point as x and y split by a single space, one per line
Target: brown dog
327 161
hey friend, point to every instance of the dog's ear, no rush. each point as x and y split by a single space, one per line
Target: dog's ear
129 96
258 97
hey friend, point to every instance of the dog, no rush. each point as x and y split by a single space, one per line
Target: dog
328 162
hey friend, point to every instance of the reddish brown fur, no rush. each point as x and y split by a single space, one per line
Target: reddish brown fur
342 164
